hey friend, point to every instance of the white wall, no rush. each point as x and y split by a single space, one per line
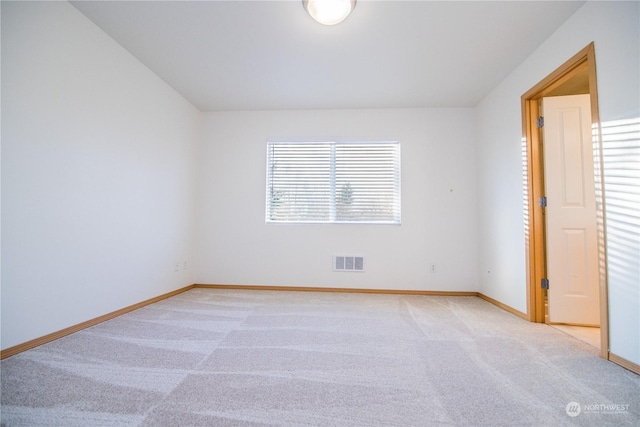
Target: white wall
615 29
97 174
234 245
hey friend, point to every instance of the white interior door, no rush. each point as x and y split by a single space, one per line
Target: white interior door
572 247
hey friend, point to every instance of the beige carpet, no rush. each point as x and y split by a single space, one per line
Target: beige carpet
235 357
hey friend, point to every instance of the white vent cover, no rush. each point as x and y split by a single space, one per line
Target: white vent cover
348 263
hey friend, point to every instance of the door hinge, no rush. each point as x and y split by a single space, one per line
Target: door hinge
544 283
542 201
540 122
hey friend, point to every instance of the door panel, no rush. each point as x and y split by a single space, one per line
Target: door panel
572 249
576 260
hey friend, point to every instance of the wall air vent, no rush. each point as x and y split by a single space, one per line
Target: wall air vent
348 263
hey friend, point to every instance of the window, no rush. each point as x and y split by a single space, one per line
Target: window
333 182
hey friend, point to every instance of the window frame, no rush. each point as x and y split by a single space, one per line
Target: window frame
396 206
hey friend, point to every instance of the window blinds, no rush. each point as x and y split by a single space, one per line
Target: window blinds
333 182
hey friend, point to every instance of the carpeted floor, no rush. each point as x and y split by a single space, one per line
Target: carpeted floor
234 357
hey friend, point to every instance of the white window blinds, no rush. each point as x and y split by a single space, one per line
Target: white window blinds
333 182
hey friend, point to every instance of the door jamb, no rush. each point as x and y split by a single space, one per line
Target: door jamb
532 149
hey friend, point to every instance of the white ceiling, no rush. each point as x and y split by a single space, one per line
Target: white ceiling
257 55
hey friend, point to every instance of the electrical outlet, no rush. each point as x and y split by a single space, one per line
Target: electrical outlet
177 267
432 268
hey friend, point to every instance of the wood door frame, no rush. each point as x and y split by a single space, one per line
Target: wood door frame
533 159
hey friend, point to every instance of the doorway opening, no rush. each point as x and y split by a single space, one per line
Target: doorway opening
576 76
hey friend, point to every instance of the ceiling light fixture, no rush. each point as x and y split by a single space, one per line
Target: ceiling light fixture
329 12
